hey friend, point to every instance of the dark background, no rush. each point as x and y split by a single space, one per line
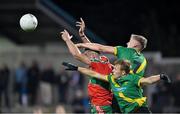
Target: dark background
116 20
112 20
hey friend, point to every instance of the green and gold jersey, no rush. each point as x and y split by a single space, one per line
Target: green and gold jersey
127 92
138 61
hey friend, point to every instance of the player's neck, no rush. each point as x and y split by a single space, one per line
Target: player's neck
116 76
137 50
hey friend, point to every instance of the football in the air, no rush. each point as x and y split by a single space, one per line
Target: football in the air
28 22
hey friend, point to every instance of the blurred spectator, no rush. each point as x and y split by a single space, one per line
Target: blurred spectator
37 111
33 82
62 81
176 91
60 109
161 98
76 82
4 81
21 83
47 79
79 103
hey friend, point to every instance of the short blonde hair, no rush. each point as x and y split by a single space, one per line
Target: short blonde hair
141 39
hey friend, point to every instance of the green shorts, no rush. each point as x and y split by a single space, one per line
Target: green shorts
101 109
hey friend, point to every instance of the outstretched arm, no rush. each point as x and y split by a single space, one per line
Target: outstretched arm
92 73
73 49
97 47
149 80
154 79
81 24
85 71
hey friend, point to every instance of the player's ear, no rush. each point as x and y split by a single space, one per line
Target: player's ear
123 72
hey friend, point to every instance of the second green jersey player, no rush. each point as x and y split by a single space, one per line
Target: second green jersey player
127 92
125 86
137 59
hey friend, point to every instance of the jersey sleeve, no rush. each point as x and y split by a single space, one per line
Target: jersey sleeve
120 50
136 79
109 78
93 65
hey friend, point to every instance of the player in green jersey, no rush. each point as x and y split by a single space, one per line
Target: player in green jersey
132 52
125 86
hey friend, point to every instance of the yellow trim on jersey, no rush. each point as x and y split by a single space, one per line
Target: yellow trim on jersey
140 101
106 77
131 72
113 81
139 82
115 50
142 66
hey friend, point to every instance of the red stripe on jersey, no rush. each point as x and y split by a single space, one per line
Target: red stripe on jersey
97 93
102 68
99 96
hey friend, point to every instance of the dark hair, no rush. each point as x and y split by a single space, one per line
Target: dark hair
86 49
142 40
125 65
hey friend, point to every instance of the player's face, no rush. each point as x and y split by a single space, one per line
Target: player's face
132 43
117 70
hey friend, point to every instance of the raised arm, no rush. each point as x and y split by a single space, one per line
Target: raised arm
85 71
81 24
73 49
154 79
97 47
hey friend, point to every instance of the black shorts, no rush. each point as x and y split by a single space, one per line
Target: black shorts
115 106
142 110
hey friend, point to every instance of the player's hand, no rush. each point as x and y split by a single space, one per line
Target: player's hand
81 24
165 77
70 66
65 35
